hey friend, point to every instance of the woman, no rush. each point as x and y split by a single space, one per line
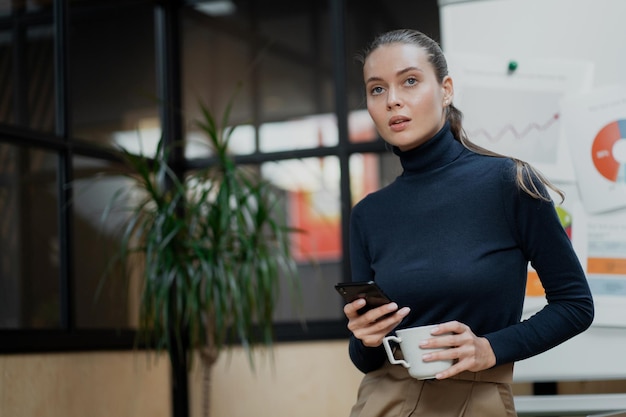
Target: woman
450 241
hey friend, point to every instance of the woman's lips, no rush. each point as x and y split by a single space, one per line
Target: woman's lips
398 123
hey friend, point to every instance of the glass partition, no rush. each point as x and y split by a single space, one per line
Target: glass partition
29 238
113 76
104 296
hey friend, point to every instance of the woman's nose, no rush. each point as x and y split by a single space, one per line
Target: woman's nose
393 99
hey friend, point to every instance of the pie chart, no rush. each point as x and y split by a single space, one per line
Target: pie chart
608 151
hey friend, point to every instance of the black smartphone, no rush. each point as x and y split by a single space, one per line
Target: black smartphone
374 296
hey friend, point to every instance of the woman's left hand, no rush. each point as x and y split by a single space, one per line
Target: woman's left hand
470 352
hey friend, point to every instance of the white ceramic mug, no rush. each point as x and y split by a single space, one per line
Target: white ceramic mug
409 340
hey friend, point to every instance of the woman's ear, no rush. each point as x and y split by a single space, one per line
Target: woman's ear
447 87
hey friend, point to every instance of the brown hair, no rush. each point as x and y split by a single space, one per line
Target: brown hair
524 171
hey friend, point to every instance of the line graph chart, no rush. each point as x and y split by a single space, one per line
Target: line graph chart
510 129
519 114
515 122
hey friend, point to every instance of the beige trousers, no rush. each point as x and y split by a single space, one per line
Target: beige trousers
391 392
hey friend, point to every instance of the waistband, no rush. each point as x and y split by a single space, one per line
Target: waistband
501 374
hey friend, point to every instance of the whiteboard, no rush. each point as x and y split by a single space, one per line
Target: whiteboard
556 35
597 354
568 29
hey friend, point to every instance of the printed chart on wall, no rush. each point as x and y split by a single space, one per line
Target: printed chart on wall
512 107
545 112
595 125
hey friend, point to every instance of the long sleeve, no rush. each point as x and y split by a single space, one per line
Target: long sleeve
366 359
548 248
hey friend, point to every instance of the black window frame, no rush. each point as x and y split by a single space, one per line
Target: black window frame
167 38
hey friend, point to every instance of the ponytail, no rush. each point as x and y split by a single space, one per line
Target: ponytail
525 173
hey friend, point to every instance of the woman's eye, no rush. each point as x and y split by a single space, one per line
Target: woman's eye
411 81
377 90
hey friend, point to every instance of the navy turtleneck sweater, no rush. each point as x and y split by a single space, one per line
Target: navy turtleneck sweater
452 238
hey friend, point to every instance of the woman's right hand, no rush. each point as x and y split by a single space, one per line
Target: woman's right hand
371 327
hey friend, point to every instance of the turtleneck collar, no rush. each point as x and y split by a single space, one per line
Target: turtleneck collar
438 151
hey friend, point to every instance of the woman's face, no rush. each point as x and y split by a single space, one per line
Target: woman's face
404 98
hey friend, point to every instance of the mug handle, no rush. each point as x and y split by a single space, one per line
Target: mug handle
392 359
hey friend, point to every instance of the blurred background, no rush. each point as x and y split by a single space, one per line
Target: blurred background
80 76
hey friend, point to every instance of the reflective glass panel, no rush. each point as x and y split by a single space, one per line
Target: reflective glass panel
217 70
370 172
29 238
103 297
287 88
310 188
302 133
113 91
240 48
7 76
27 71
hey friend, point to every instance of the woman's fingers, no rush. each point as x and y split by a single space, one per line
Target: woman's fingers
376 323
470 352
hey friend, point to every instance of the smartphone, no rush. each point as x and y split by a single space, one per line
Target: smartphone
374 296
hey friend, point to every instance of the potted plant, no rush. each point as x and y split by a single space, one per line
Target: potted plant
214 248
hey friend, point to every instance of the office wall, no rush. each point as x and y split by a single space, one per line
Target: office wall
308 379
95 384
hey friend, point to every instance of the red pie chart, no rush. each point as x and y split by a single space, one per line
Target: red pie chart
608 151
